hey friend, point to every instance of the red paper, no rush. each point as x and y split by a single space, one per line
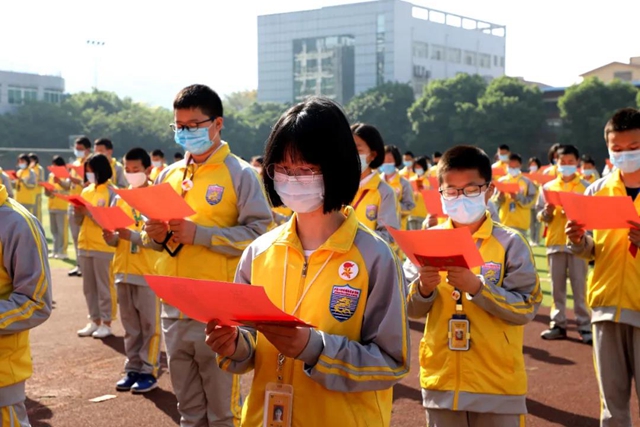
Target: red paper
552 197
433 182
79 170
507 187
498 172
59 172
110 218
74 200
439 247
433 203
159 202
12 175
417 185
47 186
539 178
599 212
230 303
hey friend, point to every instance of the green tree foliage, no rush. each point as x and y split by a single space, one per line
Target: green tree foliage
238 101
385 107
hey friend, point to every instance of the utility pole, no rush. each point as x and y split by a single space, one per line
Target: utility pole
96 44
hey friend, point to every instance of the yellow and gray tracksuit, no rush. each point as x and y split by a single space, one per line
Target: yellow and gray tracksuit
231 212
39 171
4 180
419 212
76 190
360 348
58 218
139 305
25 302
404 195
487 382
612 295
155 172
95 257
26 189
516 212
118 178
562 260
376 206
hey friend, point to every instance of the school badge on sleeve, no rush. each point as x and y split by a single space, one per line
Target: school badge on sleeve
491 271
372 212
214 194
344 301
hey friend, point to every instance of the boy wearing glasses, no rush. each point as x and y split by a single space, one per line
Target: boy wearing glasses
484 308
231 212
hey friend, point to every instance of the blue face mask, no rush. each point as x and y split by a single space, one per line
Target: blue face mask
465 210
419 172
514 171
78 153
626 161
22 166
503 157
567 170
197 142
588 172
388 168
407 164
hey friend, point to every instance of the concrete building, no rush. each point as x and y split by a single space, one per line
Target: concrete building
617 70
340 51
18 88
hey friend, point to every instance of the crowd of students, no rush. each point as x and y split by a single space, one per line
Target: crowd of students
334 188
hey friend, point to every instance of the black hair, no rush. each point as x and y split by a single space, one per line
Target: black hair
552 152
421 161
436 154
105 142
372 137
139 154
569 149
409 153
84 141
504 147
622 120
395 152
317 132
515 157
34 158
158 153
258 159
588 159
58 161
465 157
24 157
199 96
100 166
536 161
178 156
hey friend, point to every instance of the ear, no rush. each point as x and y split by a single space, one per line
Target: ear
490 190
218 123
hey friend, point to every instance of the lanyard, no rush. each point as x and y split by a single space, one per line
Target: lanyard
187 182
304 293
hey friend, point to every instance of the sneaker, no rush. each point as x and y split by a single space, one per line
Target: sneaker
88 330
74 272
145 383
555 333
127 381
52 255
587 337
103 331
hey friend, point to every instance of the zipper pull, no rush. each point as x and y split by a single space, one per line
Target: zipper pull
304 269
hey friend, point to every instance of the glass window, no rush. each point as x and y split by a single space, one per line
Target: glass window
437 53
15 96
485 60
502 61
455 55
469 58
623 75
381 23
30 95
495 60
420 50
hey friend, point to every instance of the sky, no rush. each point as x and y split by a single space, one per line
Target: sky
154 48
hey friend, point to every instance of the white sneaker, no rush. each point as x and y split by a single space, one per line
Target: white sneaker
103 331
88 330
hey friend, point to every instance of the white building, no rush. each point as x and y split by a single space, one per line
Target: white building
18 88
340 51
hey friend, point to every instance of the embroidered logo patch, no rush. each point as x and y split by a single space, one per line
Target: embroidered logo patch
491 271
344 301
348 270
372 212
214 194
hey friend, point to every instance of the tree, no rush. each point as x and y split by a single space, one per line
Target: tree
444 114
385 107
585 109
238 101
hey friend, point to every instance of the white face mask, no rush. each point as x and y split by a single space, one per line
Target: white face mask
91 177
301 194
157 164
364 164
626 161
533 168
137 179
465 210
514 171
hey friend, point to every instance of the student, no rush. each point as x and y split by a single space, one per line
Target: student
6 181
75 184
503 154
552 167
419 180
534 227
105 146
402 187
94 255
486 384
375 203
561 261
407 162
588 169
232 211
515 209
534 165
139 306
25 302
58 217
257 162
433 170
178 156
34 164
342 372
612 293
157 161
26 184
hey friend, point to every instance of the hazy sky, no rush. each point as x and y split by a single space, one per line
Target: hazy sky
155 48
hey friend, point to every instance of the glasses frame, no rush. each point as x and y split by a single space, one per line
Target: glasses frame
462 191
175 127
271 173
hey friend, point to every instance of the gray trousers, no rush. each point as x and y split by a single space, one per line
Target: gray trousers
38 207
14 416
75 232
534 228
616 348
562 264
98 288
59 231
207 395
447 418
140 316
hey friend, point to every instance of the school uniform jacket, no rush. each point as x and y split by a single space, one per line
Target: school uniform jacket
90 240
420 210
25 294
375 206
56 204
118 178
612 292
361 342
4 180
26 190
525 200
490 376
404 193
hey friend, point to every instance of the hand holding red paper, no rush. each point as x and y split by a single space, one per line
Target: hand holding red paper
76 201
429 280
47 186
464 280
507 187
159 202
12 175
552 197
599 212
110 218
59 171
433 203
221 339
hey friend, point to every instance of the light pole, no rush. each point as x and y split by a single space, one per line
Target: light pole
95 44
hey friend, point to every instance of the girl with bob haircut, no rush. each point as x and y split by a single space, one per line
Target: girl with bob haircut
327 269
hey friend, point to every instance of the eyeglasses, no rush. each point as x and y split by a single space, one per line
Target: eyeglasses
469 191
303 175
175 127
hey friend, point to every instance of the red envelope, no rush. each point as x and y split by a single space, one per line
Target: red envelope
11 174
433 203
47 186
230 303
539 178
552 197
599 212
59 172
507 187
439 247
74 200
110 218
159 202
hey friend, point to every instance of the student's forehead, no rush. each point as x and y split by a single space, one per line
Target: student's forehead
628 137
461 178
189 115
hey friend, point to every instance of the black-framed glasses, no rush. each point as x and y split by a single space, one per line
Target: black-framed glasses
175 127
303 175
452 193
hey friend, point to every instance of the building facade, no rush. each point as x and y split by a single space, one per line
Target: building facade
340 51
617 70
19 88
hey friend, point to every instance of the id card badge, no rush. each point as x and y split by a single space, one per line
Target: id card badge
459 334
278 405
512 207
